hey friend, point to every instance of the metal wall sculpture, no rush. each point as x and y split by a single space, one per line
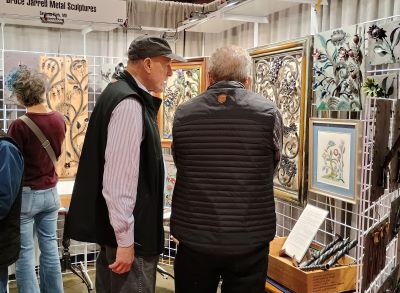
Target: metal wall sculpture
109 72
383 43
68 95
381 86
187 81
338 69
281 74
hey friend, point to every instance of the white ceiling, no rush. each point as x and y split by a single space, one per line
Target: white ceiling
246 11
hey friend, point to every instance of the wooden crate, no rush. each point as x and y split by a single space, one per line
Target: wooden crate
334 280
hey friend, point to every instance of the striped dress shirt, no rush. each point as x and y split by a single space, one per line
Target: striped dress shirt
121 169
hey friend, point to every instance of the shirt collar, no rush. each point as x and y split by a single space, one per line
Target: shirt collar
141 85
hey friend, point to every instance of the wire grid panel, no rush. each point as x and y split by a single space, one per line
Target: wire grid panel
373 212
346 219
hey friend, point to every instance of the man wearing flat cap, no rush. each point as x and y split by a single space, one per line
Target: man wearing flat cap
117 199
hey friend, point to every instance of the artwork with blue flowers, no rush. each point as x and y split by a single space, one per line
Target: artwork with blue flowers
383 43
338 69
187 81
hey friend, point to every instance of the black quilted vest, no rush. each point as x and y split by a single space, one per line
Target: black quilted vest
223 200
10 226
88 218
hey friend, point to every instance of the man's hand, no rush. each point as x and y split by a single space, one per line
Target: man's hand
123 260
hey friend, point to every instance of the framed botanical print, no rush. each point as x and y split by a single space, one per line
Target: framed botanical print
281 73
335 158
188 80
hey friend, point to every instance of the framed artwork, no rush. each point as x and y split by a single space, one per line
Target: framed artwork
188 80
335 158
281 74
383 43
338 69
170 179
68 94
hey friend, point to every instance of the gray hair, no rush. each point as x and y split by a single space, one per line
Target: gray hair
29 86
230 63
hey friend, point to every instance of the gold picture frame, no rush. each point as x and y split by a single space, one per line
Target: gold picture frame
282 74
187 81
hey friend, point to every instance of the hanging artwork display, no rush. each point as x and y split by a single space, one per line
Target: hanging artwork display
394 218
68 95
188 80
12 60
383 43
380 147
338 69
381 86
374 259
108 73
335 158
281 74
170 179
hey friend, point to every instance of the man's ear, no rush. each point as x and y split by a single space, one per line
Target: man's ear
247 82
210 79
147 64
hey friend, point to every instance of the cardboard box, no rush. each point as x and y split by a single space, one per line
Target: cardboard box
334 280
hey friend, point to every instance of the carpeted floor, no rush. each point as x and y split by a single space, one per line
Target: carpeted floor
72 284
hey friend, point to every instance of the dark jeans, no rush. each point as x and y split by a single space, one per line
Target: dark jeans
3 279
197 272
140 279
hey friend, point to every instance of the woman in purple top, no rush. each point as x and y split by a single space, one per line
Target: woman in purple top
40 200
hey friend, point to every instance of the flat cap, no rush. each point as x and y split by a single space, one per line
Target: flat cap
145 46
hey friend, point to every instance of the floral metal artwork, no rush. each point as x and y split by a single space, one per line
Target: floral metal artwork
383 43
338 69
280 75
109 72
170 179
381 86
68 95
187 81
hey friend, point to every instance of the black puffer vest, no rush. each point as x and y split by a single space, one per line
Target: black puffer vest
223 200
10 226
88 218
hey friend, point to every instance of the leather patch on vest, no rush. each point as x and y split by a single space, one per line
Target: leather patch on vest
221 98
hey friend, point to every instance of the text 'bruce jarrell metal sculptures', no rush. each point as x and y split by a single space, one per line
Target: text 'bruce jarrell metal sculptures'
338 69
280 74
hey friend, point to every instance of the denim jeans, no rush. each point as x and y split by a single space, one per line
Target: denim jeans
3 279
40 209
